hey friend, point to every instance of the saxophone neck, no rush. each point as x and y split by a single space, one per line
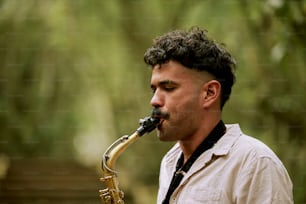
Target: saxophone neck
115 150
110 156
113 194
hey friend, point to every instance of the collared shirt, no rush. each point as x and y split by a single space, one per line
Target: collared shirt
238 169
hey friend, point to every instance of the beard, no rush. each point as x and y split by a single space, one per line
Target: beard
179 126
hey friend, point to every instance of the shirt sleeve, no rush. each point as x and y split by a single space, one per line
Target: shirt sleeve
263 181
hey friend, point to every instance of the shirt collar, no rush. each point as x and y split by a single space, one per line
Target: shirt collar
223 146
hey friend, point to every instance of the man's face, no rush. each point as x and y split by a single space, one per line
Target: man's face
177 92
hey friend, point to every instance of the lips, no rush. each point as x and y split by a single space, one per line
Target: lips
159 126
161 115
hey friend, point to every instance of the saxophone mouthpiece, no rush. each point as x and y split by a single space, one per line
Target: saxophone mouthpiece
147 125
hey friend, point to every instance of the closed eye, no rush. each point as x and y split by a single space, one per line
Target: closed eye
153 88
169 89
167 86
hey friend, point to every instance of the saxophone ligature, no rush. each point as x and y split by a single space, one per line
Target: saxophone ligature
112 194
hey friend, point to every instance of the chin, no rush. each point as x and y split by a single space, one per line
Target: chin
160 136
164 138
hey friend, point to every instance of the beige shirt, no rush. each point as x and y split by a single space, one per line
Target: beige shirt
238 169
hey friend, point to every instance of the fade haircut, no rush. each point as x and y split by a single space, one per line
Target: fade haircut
195 50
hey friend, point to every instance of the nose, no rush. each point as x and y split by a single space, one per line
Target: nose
157 100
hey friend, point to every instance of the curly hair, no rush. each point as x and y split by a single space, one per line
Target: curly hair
195 50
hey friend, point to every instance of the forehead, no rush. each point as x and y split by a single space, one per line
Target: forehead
176 72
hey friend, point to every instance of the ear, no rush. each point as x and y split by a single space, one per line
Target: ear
211 92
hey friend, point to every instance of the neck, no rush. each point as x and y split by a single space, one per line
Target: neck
189 145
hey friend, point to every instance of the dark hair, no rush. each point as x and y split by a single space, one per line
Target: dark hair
195 50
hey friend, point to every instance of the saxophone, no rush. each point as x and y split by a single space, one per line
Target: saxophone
112 194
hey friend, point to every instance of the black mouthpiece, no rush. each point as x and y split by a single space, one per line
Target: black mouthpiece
147 125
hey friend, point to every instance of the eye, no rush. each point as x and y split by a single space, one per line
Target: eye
153 89
169 88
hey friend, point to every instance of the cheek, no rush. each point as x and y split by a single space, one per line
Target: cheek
186 109
183 102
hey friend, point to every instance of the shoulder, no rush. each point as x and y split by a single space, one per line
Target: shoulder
236 140
254 147
260 174
250 152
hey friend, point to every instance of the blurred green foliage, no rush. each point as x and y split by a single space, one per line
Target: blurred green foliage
72 76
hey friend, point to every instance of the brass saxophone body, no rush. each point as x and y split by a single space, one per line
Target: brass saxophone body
112 194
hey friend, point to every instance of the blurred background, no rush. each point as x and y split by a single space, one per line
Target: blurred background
72 80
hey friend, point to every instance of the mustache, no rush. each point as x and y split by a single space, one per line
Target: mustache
157 113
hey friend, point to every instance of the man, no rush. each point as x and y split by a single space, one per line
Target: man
192 78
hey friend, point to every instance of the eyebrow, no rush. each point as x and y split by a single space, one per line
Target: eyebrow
165 82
